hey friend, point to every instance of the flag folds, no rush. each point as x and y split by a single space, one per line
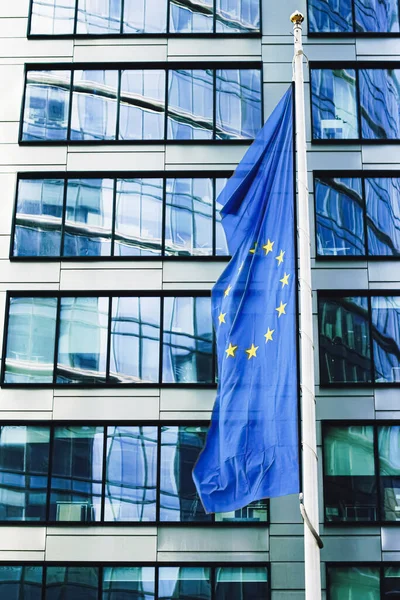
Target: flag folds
251 450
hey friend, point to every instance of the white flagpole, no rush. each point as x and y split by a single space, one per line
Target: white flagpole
309 501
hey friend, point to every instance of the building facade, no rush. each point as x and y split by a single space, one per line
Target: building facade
120 120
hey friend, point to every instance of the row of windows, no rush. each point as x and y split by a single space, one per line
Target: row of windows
362 582
121 217
91 104
353 16
121 582
108 474
133 17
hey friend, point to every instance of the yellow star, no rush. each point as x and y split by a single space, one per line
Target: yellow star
230 351
253 250
252 351
268 247
268 335
228 289
281 309
285 280
221 318
279 258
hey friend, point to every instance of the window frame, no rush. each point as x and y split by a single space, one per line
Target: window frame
377 565
158 424
112 66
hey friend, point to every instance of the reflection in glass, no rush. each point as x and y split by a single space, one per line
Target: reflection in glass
187 16
349 475
75 487
244 583
187 340
94 105
334 104
30 340
23 582
131 474
99 16
376 16
142 105
391 583
386 337
221 246
238 103
145 16
88 219
254 512
38 217
379 103
389 470
190 583
189 224
237 16
82 347
354 583
340 217
72 583
52 17
46 106
24 464
138 217
330 16
190 104
345 347
382 195
124 583
135 340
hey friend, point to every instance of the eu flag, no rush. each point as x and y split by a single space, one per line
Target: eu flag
251 451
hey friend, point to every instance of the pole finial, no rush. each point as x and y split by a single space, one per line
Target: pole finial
297 18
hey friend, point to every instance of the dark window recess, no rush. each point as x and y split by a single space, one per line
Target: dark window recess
350 17
373 581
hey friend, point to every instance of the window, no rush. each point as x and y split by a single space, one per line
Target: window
129 473
71 583
78 105
86 217
21 581
361 473
353 17
375 582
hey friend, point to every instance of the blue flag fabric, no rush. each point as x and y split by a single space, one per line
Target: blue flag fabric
251 451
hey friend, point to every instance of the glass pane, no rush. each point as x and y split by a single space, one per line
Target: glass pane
88 218
190 104
389 469
131 476
349 474
135 340
238 103
72 583
380 103
99 17
254 512
145 16
30 340
345 347
76 474
386 337
377 16
391 583
187 339
180 448
354 583
330 16
241 583
334 104
189 223
52 17
188 583
18 582
82 347
340 219
190 17
142 105
94 105
221 246
237 16
128 583
138 217
24 465
38 217
46 106
383 216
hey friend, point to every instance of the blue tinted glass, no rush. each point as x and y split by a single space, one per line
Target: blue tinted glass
189 223
330 16
94 105
24 464
188 583
238 103
377 15
46 105
190 104
131 476
354 583
30 340
21 582
135 340
82 346
391 583
142 105
76 474
99 16
189 17
389 470
187 340
52 17
38 217
246 583
340 221
88 218
334 104
237 16
138 217
386 336
128 583
145 16
380 103
383 216
221 246
72 583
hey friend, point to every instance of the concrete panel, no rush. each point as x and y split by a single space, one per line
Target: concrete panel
115 161
241 49
285 549
341 160
183 400
287 576
83 279
10 103
16 8
9 131
12 154
13 27
110 266
22 538
345 407
93 548
391 556
97 392
285 509
243 557
274 53
202 156
21 400
337 279
21 556
384 271
26 415
212 540
27 272
276 19
25 48
107 408
386 414
378 47
316 51
183 285
185 415
7 186
277 73
118 53
193 271
381 154
390 539
292 595
351 549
